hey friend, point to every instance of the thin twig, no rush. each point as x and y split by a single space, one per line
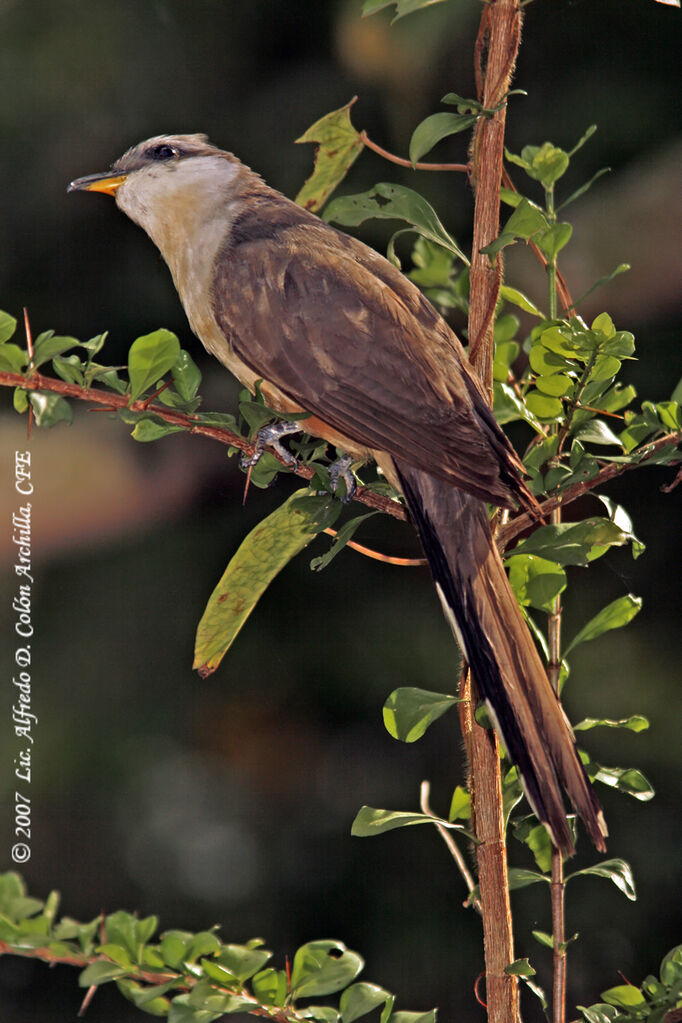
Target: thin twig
451 844
402 162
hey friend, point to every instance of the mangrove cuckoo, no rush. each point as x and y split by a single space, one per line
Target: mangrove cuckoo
332 329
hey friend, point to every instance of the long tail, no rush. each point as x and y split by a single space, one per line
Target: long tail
481 607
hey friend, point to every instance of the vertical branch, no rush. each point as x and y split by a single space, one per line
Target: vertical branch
557 885
495 55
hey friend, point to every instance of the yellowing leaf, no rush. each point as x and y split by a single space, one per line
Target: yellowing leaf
262 554
339 145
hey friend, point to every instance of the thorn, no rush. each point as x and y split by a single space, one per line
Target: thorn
29 337
147 401
246 484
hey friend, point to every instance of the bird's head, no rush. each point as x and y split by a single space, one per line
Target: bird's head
169 182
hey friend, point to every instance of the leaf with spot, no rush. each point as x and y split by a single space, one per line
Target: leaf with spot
322 968
338 146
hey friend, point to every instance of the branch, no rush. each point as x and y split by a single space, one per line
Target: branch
185 982
524 521
191 423
495 55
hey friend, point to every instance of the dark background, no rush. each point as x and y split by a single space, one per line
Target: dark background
230 800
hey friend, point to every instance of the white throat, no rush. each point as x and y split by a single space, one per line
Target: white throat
187 209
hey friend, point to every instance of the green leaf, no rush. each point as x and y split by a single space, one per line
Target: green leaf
201 944
436 127
242 961
635 723
521 878
545 163
359 999
558 385
581 191
345 534
671 967
508 407
526 220
412 1017
50 409
535 581
520 300
505 354
270 986
624 779
153 428
596 431
403 7
47 346
266 550
323 967
543 938
68 367
146 997
321 1013
12 358
460 804
625 996
540 844
408 712
545 363
573 543
616 614
182 1012
8 325
552 241
393 202
100 972
599 1013
174 946
149 358
520 968
617 871
371 821
543 407
338 147
186 375
620 269
20 400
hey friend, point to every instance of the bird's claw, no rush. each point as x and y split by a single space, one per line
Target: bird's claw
341 470
269 437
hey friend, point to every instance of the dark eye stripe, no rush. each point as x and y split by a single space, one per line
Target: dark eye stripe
163 152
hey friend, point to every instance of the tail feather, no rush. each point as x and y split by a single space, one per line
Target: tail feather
481 607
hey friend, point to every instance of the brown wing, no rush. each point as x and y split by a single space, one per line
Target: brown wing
344 334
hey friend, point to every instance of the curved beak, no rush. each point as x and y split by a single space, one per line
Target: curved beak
104 182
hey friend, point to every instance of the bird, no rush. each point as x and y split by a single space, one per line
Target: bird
326 326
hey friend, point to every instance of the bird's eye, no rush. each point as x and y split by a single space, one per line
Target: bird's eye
163 152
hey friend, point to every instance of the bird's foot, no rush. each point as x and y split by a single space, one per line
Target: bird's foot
269 437
341 470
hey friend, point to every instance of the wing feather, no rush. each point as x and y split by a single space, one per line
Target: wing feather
338 329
